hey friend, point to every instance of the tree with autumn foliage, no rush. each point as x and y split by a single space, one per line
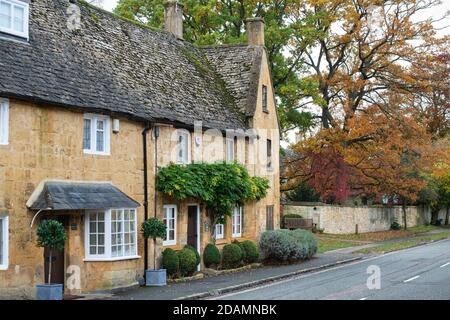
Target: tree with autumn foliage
364 57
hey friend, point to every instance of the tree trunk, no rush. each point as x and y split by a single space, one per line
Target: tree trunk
447 215
50 261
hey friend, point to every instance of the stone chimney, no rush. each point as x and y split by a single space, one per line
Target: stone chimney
255 31
173 18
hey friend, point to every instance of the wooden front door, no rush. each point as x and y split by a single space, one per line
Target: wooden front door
58 268
192 226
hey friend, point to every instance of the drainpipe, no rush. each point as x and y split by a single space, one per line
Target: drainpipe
144 140
155 202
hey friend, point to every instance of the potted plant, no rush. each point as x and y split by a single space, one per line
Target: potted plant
51 235
153 229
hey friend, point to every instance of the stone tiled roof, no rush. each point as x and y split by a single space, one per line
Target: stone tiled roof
116 67
67 195
239 66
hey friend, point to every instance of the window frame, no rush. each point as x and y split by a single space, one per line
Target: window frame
187 135
229 143
5 242
218 235
4 121
264 100
26 19
269 147
173 241
107 255
236 234
94 118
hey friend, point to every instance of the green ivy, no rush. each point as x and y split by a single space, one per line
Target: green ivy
221 186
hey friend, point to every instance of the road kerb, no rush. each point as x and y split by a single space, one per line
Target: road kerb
255 283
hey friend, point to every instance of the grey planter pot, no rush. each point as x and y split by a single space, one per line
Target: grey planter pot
155 278
49 291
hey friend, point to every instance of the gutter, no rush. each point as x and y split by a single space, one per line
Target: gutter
148 127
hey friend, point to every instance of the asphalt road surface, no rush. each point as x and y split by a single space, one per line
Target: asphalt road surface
416 273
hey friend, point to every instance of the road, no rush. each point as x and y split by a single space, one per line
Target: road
416 273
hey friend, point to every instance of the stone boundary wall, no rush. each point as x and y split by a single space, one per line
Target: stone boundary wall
345 219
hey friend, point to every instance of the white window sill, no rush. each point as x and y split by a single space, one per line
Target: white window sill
93 259
171 243
96 153
236 236
3 268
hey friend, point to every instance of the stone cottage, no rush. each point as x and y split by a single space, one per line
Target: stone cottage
91 105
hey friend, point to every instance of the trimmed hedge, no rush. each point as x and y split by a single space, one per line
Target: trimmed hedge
286 245
170 261
251 251
197 255
231 256
188 261
211 255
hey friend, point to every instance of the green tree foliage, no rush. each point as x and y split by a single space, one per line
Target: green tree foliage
208 22
303 193
153 228
437 195
221 186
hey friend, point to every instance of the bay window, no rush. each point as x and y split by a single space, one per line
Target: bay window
111 234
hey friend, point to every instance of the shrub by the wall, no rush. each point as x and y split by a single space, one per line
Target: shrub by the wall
231 256
242 248
197 255
170 261
211 256
287 245
188 262
251 251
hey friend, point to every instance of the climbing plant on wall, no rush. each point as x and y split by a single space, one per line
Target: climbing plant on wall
220 186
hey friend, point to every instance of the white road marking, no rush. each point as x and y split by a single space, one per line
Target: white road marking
411 279
363 298
294 278
444 265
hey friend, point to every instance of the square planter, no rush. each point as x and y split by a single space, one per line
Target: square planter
49 291
155 278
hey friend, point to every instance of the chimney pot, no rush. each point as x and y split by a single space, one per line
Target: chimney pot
173 18
255 31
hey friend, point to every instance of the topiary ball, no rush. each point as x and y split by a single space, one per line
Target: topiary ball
211 256
197 255
188 262
170 261
231 256
251 251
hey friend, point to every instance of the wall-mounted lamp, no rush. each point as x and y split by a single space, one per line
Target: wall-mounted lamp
116 126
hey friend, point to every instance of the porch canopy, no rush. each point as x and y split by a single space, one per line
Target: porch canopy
70 195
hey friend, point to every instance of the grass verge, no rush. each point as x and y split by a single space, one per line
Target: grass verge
394 246
325 245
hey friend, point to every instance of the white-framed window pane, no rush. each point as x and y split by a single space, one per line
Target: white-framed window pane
236 220
100 134
230 150
220 231
5 15
96 233
1 242
183 147
87 134
170 220
19 19
4 121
